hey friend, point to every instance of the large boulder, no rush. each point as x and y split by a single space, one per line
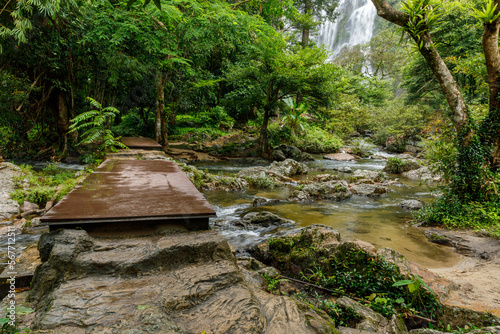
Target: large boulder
176 283
292 152
370 190
398 166
331 190
254 220
363 175
411 204
256 172
423 173
276 173
288 168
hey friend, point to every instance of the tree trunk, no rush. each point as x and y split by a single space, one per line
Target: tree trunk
478 147
263 149
62 119
306 30
490 128
441 72
160 121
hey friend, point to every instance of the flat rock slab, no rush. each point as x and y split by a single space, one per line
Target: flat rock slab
179 283
340 157
141 143
132 190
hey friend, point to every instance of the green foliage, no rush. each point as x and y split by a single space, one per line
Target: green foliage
362 147
280 134
295 118
395 166
136 122
422 15
488 14
96 125
352 271
52 183
451 211
216 117
317 140
346 317
403 122
273 284
348 116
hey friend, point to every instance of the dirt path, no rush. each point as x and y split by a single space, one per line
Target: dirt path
478 275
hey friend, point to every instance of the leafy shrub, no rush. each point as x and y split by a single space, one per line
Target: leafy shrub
191 134
215 117
278 134
317 140
394 165
348 116
453 212
52 183
352 271
398 120
96 125
362 147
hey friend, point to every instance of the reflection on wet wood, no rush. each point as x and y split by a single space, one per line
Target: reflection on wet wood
133 191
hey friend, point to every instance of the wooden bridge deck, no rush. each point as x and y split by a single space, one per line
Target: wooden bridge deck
121 191
141 143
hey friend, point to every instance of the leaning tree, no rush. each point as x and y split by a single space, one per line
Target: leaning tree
478 143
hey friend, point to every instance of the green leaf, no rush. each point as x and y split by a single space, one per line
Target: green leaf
23 310
403 283
143 307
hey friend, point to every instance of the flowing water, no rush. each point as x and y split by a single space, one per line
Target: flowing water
379 221
353 26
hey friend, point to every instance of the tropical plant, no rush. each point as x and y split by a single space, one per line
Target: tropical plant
96 125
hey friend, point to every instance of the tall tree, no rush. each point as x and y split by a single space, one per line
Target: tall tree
478 144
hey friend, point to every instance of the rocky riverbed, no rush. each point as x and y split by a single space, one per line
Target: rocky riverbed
172 281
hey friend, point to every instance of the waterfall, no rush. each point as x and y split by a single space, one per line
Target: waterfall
354 25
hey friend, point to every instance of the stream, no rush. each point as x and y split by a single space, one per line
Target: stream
379 221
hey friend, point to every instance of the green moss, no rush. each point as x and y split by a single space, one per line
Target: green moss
348 269
52 183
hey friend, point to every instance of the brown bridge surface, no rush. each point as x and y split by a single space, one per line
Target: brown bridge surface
121 191
141 143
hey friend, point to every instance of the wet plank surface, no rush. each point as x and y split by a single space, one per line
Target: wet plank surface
128 190
141 143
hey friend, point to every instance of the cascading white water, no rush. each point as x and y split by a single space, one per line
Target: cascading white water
354 25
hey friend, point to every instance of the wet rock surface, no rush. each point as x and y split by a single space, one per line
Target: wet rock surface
8 207
423 173
254 220
372 176
291 152
331 190
280 171
340 157
370 190
175 283
411 204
